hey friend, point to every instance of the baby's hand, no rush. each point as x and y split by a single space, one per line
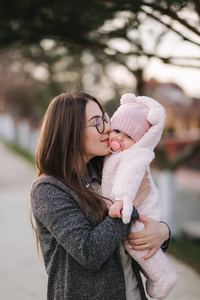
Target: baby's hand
115 209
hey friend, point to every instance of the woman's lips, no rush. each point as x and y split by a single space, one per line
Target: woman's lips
105 141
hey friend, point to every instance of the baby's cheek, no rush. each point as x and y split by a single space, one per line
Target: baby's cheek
129 143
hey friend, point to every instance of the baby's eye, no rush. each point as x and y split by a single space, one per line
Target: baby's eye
128 136
116 130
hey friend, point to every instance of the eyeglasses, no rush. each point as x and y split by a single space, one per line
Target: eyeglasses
100 123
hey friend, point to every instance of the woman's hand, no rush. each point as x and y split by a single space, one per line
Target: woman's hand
152 237
143 190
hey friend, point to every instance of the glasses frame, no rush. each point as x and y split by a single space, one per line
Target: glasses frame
103 122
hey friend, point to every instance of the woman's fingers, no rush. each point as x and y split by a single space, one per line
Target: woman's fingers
151 235
149 254
140 244
150 238
143 247
146 175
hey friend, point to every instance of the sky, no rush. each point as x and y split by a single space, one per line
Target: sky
172 45
187 78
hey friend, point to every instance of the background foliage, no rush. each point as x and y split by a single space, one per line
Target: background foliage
90 32
103 47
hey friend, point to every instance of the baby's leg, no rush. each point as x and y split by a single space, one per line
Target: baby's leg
161 277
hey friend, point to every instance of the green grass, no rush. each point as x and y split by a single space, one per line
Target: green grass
15 148
186 250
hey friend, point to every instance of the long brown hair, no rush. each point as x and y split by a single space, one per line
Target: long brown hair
60 147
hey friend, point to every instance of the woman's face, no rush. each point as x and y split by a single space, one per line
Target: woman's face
95 144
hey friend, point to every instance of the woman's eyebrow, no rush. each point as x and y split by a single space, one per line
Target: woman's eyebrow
94 117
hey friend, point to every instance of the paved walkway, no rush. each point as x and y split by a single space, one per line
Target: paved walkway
22 275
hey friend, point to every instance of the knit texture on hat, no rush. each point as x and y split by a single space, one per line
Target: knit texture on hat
131 118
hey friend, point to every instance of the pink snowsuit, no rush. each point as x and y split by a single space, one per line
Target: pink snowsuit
122 176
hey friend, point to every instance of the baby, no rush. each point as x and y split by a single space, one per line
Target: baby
136 128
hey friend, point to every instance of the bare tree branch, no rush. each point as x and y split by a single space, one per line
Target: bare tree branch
119 56
169 12
171 28
197 6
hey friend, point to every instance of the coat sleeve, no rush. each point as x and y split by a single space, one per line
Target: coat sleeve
128 177
60 214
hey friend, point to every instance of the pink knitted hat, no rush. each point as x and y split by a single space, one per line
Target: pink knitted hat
131 118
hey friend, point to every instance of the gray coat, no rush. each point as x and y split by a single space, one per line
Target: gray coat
81 257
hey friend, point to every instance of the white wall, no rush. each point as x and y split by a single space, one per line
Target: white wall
18 132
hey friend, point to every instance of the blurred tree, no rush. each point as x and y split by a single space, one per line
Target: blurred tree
116 32
82 41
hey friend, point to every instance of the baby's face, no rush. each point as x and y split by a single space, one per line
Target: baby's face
122 137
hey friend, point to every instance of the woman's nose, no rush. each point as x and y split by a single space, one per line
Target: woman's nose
107 128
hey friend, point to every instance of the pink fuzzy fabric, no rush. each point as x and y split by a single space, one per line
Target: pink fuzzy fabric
122 175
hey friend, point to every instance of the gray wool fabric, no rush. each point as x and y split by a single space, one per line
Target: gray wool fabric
81 256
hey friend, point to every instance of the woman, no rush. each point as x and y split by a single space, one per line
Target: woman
79 241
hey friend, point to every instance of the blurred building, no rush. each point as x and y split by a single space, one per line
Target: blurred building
182 128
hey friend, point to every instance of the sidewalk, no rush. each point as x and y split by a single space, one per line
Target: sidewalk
22 274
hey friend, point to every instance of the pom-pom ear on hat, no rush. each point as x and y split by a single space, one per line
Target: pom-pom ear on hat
128 98
154 116
156 110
